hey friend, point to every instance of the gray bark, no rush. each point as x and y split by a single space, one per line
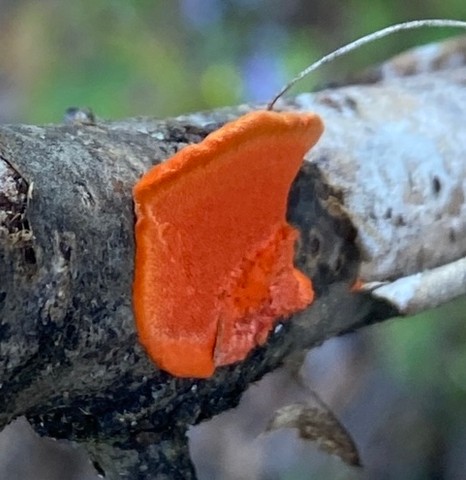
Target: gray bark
381 197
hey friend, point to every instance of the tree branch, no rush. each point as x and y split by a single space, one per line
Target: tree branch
380 198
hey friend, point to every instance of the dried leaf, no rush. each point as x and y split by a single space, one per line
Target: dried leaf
318 424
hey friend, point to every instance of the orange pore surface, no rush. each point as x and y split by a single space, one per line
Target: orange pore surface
214 253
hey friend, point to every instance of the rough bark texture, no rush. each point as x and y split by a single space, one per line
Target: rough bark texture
381 197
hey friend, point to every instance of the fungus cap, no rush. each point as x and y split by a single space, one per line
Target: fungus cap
214 253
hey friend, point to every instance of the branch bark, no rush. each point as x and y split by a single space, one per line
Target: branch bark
380 198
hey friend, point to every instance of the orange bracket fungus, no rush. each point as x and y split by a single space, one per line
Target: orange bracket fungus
214 253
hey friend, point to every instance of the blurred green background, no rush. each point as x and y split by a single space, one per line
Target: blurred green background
163 58
141 57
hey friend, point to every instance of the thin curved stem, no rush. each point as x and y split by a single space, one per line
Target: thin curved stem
363 41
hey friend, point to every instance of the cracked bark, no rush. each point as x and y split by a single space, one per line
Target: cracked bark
381 198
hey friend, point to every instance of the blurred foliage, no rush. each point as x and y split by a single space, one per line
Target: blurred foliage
167 57
428 353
